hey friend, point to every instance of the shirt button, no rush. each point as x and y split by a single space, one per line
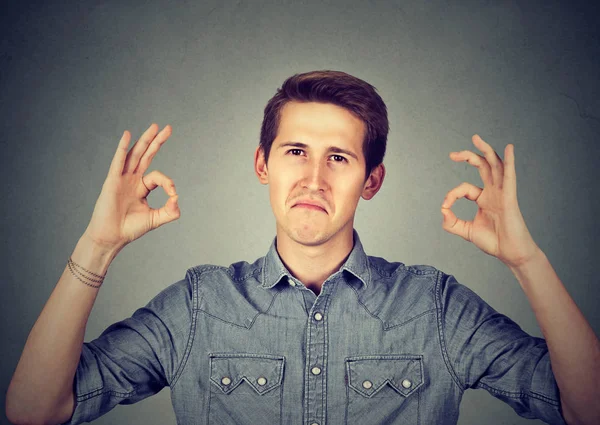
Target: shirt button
225 381
316 370
315 423
406 383
261 381
318 317
292 283
367 385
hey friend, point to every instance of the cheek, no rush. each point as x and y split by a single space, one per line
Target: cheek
347 196
350 187
279 191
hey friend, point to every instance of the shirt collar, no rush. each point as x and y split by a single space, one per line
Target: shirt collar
274 270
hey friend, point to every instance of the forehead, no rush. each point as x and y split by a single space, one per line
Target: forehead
315 121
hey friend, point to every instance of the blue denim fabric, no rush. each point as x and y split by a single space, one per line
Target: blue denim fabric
383 343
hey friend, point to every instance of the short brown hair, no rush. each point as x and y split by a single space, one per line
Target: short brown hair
338 88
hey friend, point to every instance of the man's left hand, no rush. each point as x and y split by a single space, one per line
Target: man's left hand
498 228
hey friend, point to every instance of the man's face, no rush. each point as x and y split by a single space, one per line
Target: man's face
316 157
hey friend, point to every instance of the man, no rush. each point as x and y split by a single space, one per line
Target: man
315 332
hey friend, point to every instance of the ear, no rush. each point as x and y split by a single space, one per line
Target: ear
374 182
260 166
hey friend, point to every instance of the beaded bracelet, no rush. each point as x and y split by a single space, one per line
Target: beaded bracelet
74 271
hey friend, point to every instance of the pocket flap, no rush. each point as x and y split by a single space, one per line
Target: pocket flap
368 374
261 371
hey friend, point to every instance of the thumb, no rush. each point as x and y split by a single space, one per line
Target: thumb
454 225
173 205
168 212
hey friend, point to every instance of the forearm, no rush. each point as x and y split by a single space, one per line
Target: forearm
42 385
573 346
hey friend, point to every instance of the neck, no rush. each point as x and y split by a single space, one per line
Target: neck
313 264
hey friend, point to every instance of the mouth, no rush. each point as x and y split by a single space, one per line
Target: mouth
310 205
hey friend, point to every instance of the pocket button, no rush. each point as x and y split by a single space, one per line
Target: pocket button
261 381
367 384
225 380
406 383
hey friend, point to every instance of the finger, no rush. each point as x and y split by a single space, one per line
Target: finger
463 190
118 161
167 213
455 225
451 223
510 174
477 161
153 149
496 165
155 178
139 148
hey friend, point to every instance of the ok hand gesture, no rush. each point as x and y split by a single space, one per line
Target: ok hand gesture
122 213
498 228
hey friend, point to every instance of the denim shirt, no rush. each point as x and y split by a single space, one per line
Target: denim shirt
383 343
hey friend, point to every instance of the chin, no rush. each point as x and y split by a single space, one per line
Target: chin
309 236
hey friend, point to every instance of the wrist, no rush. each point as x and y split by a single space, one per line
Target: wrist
529 253
98 247
94 256
529 267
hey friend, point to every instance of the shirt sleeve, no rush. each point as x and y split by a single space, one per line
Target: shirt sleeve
136 357
485 349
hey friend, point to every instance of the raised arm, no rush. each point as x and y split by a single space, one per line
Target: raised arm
499 230
41 390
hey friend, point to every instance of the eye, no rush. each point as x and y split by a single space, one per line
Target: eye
338 158
295 152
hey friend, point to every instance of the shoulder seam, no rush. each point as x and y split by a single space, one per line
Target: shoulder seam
201 269
401 267
441 336
193 319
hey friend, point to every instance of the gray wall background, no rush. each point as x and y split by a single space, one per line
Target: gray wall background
73 77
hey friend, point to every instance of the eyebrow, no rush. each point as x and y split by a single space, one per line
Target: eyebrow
333 149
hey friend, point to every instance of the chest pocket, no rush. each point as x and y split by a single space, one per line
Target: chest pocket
245 388
383 389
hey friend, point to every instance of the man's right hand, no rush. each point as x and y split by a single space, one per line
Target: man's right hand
122 214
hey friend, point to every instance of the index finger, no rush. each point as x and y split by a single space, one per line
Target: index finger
477 161
118 161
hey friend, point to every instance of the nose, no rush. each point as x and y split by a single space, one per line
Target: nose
315 176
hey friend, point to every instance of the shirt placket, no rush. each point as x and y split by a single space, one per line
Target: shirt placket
316 362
